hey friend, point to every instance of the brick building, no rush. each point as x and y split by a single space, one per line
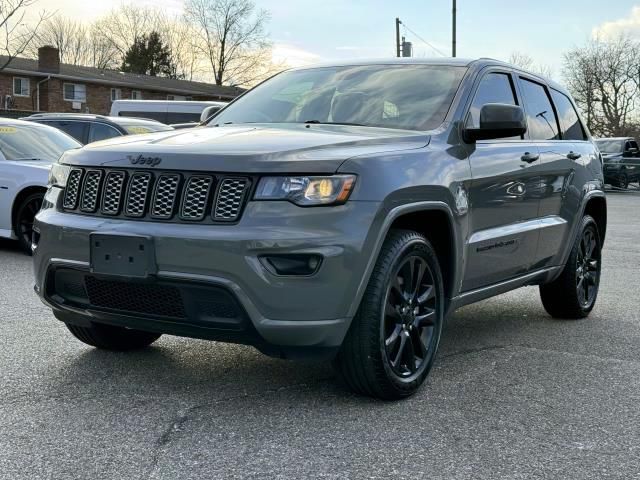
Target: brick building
47 85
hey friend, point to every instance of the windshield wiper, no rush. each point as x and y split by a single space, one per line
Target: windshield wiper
27 159
318 122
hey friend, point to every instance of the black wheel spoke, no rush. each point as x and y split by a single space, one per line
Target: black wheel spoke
391 311
410 355
392 339
419 271
428 294
426 319
400 353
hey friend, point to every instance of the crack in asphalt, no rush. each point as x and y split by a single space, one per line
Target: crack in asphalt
184 415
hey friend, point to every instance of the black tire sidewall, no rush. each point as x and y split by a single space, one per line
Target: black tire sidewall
24 244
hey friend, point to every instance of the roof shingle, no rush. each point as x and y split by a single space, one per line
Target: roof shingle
113 77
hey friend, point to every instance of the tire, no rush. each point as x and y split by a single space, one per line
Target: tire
390 348
108 337
623 181
573 294
25 214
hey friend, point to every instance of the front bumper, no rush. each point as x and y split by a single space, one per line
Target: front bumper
280 311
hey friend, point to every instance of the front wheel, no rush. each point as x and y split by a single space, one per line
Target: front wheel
392 342
25 214
573 294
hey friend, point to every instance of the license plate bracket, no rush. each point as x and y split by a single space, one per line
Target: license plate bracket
122 255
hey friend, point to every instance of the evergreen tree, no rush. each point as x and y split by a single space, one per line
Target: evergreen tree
149 56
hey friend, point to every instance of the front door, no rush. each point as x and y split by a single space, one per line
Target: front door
504 195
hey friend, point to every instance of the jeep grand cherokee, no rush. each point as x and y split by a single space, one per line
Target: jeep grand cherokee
339 211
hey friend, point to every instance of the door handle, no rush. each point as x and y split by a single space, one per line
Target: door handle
529 157
573 156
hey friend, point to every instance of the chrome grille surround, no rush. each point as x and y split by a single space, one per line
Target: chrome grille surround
138 194
230 199
195 198
114 185
164 195
72 190
90 190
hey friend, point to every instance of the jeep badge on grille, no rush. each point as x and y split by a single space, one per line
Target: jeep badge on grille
142 160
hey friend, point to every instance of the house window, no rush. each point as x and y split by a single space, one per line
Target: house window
116 94
136 95
178 97
75 92
21 87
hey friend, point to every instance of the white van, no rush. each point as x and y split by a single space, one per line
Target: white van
165 111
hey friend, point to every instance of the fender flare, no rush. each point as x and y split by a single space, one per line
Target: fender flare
394 214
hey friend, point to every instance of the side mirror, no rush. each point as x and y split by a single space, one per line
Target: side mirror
207 112
630 152
498 120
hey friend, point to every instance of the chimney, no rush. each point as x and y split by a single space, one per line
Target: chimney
48 59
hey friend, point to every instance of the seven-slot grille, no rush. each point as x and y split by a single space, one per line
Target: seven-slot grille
163 196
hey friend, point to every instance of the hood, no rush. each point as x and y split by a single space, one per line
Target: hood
39 164
254 148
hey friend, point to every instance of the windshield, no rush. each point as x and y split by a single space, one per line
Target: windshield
26 142
414 97
610 146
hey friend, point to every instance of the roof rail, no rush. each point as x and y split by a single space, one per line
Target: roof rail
67 114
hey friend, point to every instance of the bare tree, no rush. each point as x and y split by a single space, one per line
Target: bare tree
180 36
526 62
232 37
122 26
70 37
16 34
603 78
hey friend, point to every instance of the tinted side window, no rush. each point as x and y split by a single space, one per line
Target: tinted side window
182 117
159 116
541 119
101 131
493 88
76 129
569 121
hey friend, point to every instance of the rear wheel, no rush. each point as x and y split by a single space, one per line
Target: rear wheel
25 214
392 342
573 294
108 337
623 180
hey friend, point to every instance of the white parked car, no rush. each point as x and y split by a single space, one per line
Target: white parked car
166 111
27 150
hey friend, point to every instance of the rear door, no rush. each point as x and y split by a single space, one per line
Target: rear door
503 193
565 161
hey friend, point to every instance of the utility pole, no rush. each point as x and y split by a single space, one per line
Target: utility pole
453 20
398 22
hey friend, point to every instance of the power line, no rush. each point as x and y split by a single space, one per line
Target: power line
423 40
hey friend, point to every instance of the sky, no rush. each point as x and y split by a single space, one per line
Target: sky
306 32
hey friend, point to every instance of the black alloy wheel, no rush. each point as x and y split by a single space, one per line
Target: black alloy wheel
409 317
588 268
25 216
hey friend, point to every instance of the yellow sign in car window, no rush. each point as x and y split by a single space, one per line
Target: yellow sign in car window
8 129
137 129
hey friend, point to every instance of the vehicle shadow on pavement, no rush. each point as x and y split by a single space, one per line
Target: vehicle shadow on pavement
212 371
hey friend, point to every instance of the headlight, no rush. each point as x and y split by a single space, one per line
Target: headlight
306 191
58 175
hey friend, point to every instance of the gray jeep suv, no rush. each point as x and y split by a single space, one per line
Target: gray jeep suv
338 211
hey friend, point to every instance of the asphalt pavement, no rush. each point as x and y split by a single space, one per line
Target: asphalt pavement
514 394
